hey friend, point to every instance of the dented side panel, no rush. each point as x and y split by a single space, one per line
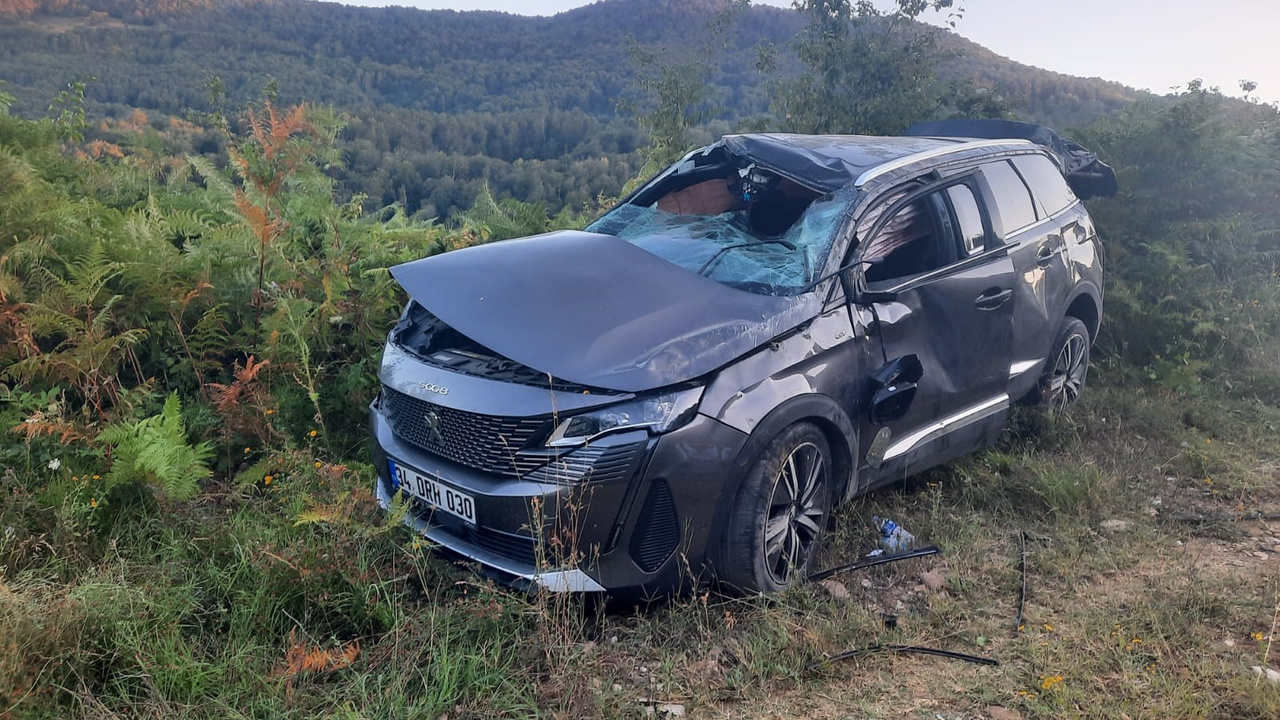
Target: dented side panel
963 343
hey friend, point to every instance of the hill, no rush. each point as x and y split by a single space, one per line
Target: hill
438 99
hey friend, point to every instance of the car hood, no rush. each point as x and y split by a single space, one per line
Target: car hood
596 310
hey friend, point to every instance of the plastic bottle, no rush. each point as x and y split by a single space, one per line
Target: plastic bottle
892 536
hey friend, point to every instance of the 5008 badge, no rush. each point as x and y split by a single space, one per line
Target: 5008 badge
432 387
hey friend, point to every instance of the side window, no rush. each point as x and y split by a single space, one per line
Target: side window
1013 208
1046 182
918 237
969 217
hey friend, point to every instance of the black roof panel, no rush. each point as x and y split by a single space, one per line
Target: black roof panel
828 162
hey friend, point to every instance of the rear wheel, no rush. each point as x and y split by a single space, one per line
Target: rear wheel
1067 367
779 514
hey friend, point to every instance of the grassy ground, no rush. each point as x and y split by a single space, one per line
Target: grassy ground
1152 547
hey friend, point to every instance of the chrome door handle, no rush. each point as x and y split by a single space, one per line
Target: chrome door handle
993 298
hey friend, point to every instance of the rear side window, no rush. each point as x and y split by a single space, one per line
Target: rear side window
1046 182
1011 196
972 236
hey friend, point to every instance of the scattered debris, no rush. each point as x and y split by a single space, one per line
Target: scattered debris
1271 675
933 580
893 536
1115 526
995 712
836 589
672 709
1022 568
873 561
856 653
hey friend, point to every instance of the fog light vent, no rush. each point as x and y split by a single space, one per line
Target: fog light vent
658 532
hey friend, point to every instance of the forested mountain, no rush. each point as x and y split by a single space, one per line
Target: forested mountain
439 101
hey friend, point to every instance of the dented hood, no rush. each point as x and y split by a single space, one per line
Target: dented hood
596 310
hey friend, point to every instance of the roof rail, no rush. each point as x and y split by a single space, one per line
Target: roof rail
906 160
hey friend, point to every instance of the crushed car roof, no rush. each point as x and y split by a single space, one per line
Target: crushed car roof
828 162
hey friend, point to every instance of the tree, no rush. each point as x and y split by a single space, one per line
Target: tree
866 70
683 97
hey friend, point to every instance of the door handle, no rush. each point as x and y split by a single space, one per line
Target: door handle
1045 254
993 298
1079 234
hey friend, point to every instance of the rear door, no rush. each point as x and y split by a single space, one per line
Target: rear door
948 301
1027 223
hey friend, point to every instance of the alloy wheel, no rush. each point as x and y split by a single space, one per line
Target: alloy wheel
1069 370
796 512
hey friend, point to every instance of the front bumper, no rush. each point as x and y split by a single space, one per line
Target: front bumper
643 528
572 580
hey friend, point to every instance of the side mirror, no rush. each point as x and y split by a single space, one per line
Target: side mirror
863 296
894 388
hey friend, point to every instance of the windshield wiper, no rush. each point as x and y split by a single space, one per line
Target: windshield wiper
702 270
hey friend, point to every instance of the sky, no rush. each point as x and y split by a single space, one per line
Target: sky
1148 44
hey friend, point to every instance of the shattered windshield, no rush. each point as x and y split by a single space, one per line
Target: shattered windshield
735 247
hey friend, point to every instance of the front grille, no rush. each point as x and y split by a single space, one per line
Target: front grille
658 532
594 463
484 442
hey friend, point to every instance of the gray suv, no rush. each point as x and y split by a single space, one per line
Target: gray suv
685 391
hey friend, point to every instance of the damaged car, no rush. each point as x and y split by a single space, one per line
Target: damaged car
686 390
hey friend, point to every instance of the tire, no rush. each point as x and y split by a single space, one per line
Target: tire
771 536
1066 368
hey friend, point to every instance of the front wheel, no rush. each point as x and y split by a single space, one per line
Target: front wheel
1067 367
779 514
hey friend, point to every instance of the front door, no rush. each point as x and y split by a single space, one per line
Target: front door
940 289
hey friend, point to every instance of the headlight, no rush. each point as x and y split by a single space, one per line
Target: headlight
657 414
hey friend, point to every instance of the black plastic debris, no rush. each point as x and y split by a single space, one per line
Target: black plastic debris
1022 594
877 560
915 649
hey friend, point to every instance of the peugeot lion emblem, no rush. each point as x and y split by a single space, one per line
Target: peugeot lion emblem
432 421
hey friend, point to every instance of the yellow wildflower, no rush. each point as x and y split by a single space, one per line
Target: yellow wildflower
93 502
319 464
1048 627
97 477
1048 681
313 433
248 450
267 480
270 411
1257 636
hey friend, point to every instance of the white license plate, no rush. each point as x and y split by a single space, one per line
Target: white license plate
434 493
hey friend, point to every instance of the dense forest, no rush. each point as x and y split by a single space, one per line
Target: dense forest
440 102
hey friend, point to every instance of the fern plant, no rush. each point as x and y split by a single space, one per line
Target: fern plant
73 316
155 451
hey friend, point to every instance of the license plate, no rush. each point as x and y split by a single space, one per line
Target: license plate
434 493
